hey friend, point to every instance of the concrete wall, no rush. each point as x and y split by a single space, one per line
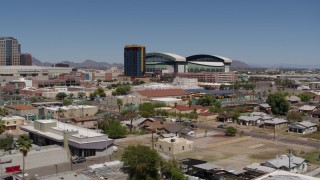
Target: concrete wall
36 159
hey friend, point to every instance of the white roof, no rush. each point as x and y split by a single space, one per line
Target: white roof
307 108
275 121
307 124
56 108
259 167
283 161
249 118
167 99
258 114
177 57
280 175
9 118
207 166
207 63
226 60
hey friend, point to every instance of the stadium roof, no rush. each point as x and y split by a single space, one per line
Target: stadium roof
171 56
198 57
207 63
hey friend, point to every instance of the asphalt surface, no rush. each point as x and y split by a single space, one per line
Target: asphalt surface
279 138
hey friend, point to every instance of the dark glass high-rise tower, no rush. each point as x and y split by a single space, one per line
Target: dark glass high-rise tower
134 60
9 51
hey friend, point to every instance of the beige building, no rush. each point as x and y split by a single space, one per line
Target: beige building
174 145
111 101
70 111
22 110
86 122
12 123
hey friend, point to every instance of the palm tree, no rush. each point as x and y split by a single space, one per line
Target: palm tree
2 126
24 144
190 103
119 103
60 113
131 114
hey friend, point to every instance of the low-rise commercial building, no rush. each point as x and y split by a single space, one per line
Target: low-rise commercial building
21 110
12 123
70 111
76 140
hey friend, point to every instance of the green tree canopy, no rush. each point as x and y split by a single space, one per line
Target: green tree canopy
67 102
279 104
294 116
122 89
144 162
171 170
305 97
61 95
115 130
231 131
207 100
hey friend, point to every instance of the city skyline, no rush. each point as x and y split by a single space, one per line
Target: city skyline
270 32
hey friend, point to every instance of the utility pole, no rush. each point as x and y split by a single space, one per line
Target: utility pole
274 132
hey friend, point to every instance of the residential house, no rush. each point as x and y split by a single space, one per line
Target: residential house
249 120
293 99
156 126
186 164
178 129
225 117
137 123
265 107
307 108
173 145
303 127
315 114
256 169
275 123
289 163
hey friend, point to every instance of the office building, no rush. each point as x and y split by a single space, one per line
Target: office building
26 60
134 60
9 51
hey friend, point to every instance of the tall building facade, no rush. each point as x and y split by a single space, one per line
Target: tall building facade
9 51
134 60
26 60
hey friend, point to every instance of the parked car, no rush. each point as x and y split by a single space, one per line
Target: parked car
222 126
79 160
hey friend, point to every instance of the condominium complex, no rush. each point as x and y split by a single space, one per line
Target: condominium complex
134 60
9 51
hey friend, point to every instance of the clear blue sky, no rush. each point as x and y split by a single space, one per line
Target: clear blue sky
256 32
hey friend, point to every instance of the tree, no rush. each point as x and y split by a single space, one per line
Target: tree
2 126
231 131
61 95
71 95
81 95
171 170
119 103
294 116
143 162
190 103
115 130
67 102
305 97
278 103
207 100
130 114
60 113
24 144
3 112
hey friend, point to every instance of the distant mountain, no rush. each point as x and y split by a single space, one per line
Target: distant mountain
236 64
85 64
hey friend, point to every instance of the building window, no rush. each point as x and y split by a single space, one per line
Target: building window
169 148
182 148
7 123
15 122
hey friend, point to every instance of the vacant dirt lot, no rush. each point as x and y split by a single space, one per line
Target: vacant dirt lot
237 155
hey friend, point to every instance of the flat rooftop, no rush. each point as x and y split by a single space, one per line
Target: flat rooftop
20 107
56 108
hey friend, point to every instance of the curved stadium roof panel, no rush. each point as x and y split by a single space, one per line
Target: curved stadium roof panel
208 58
171 56
207 63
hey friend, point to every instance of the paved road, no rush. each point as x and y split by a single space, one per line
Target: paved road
279 138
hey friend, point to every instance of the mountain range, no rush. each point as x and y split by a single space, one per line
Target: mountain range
85 64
